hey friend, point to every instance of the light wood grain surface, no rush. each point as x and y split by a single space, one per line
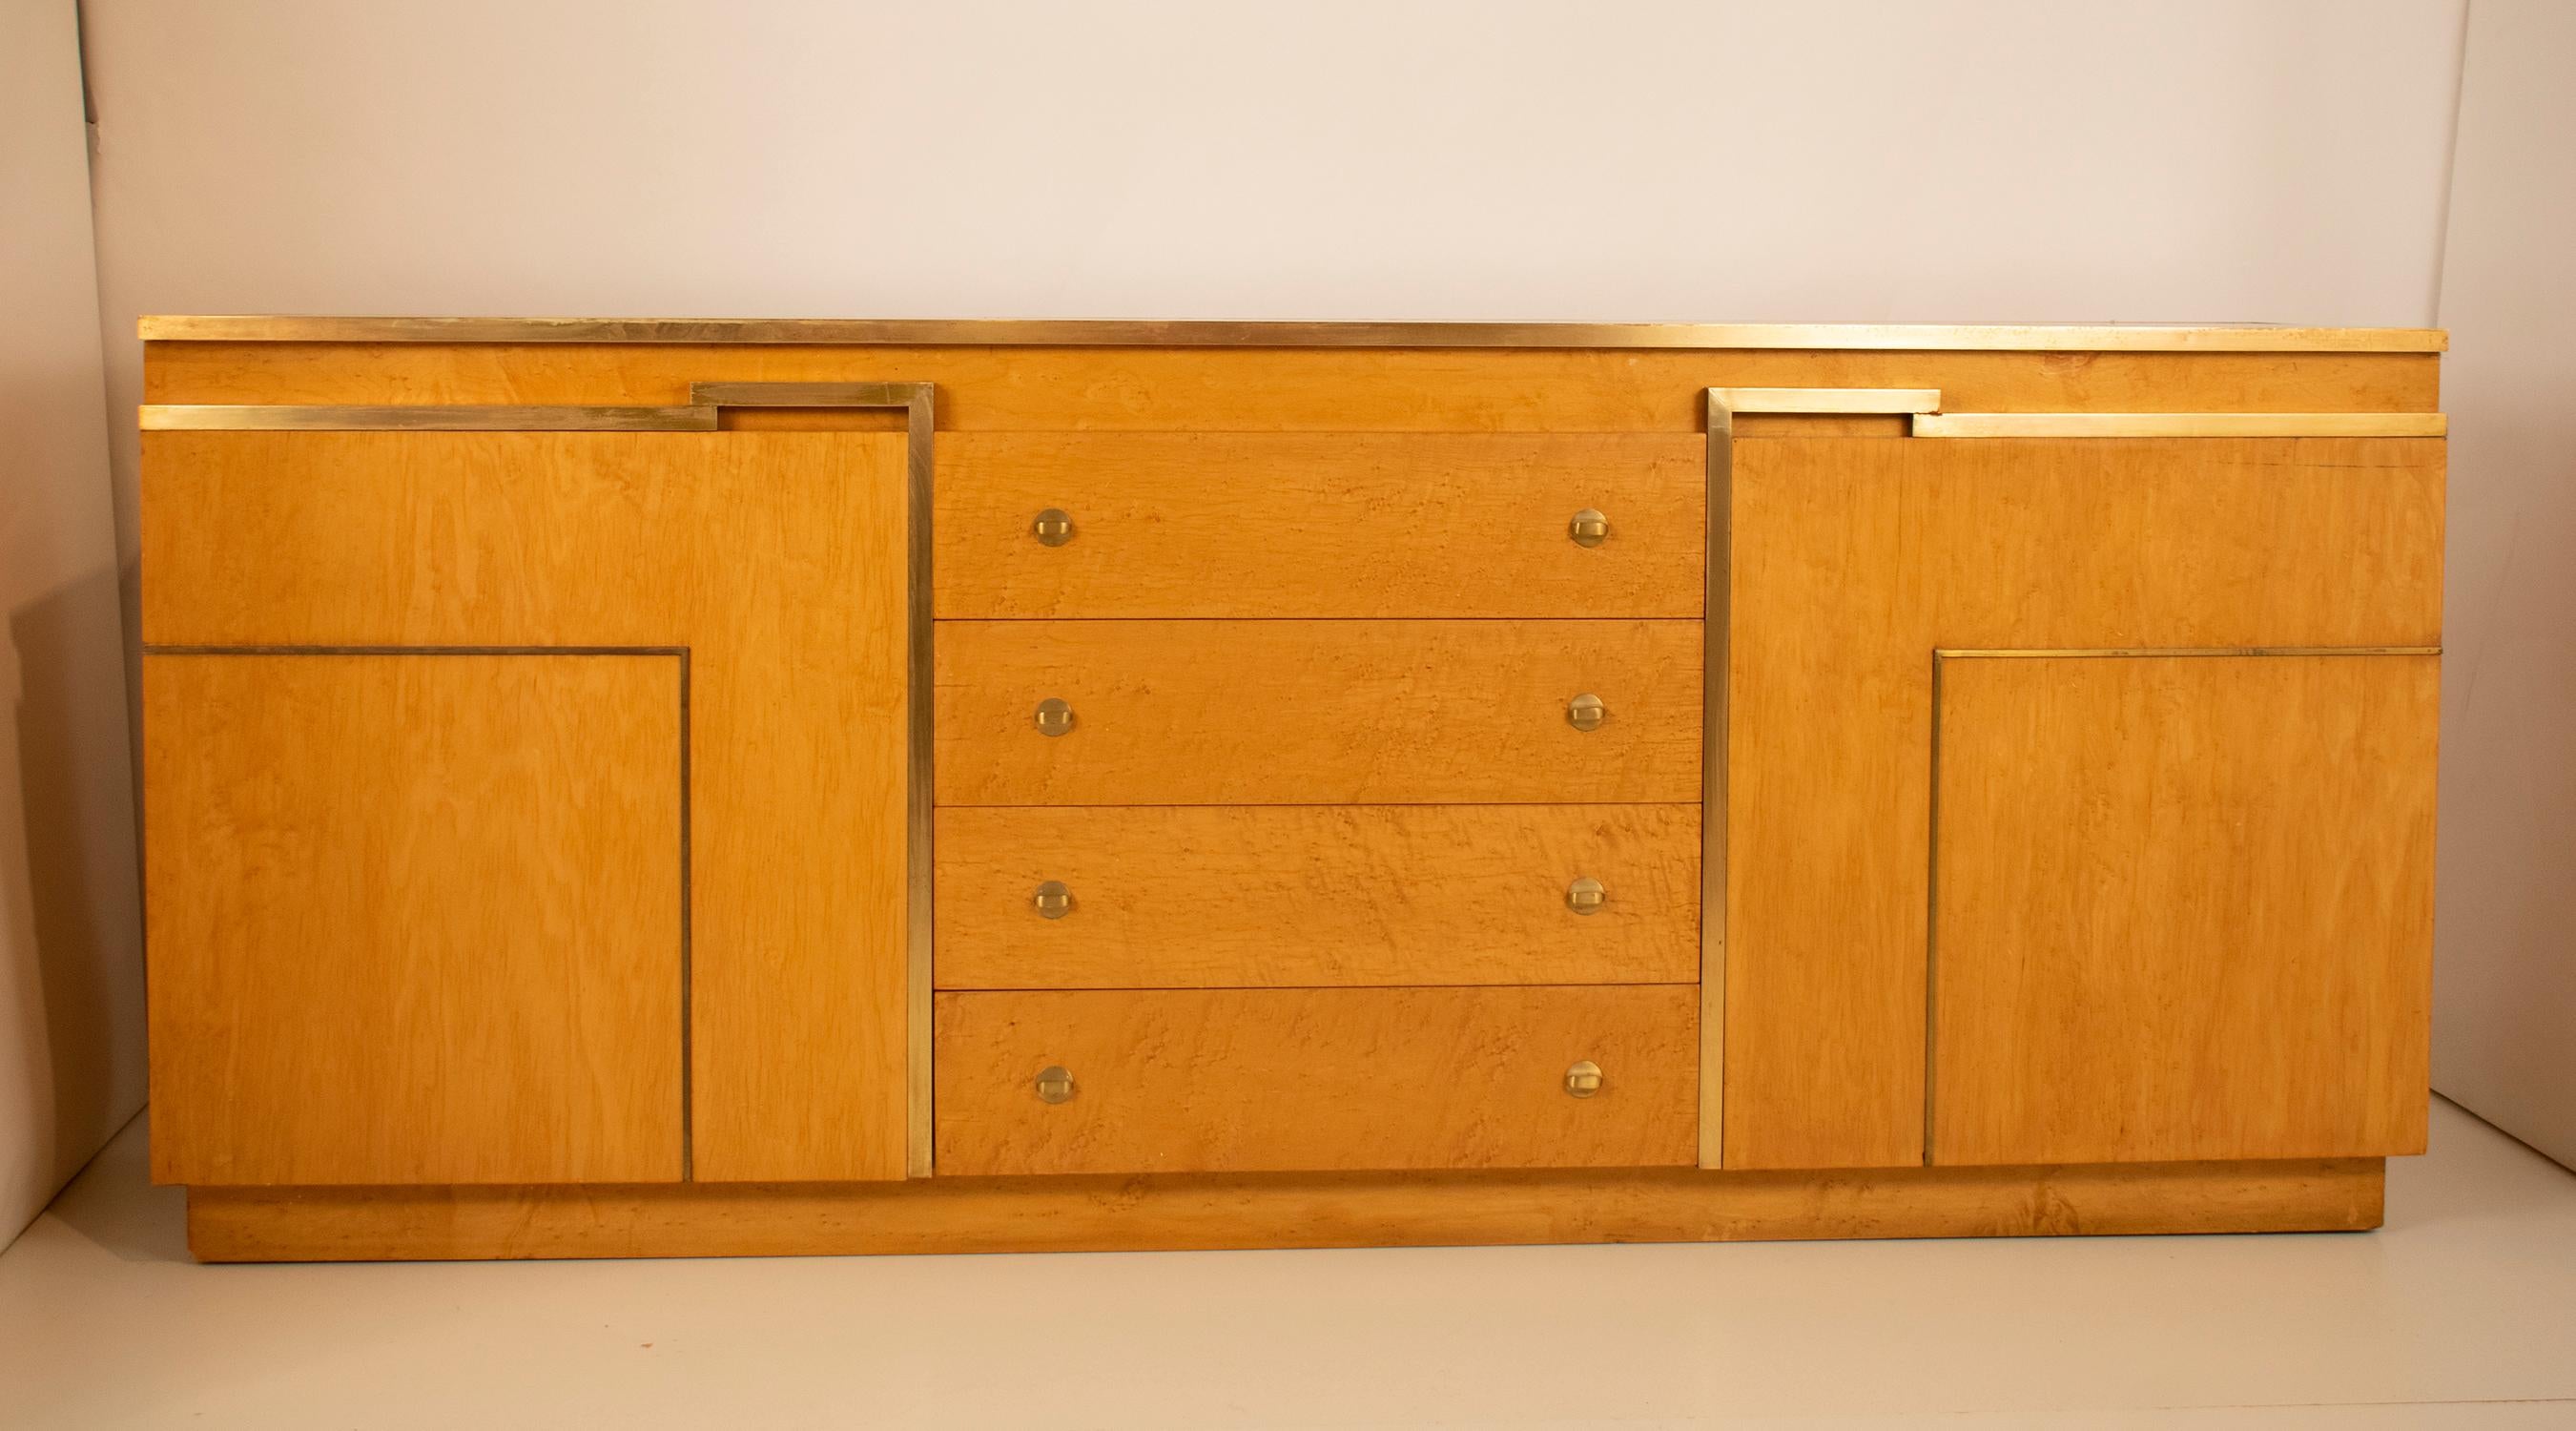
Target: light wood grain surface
414 919
1292 390
777 558
1258 1080
2184 908
1309 1210
1317 712
1853 560
1320 524
1201 896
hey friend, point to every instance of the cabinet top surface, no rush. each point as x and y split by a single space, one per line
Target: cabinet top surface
1052 332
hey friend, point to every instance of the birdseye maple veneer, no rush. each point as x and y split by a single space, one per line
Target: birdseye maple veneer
666 787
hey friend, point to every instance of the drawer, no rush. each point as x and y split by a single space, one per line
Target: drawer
1292 1080
1291 895
1218 524
1317 712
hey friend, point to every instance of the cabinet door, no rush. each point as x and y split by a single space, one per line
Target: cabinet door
415 918
2182 907
1853 560
774 565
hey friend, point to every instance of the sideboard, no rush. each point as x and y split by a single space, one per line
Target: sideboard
668 787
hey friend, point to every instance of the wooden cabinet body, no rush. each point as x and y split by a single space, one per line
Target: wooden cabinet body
682 788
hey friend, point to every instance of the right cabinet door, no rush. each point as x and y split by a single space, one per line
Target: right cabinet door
2178 904
2182 905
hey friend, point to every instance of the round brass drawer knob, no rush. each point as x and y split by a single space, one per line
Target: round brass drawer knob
1586 896
1586 712
1581 1081
1055 1084
1053 900
1589 528
1054 717
1053 528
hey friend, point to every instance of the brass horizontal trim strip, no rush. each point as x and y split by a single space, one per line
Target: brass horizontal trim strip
1415 985
1414 618
1837 401
1551 802
167 649
1946 653
1090 333
805 394
166 417
2182 424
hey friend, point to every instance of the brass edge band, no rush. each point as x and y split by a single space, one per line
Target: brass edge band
1835 401
802 394
2182 424
1716 619
1099 333
2071 653
919 414
207 417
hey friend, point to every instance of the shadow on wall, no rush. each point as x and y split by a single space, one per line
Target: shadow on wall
67 890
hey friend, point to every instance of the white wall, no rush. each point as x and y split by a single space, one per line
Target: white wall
2504 998
71 968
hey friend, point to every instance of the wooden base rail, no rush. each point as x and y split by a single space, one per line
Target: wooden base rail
1095 1214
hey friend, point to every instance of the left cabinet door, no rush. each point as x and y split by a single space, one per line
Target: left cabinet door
529 627
415 918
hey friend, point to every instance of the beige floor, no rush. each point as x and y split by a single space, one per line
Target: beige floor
2461 1313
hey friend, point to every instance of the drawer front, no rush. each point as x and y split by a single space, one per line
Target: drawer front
1293 1080
1317 712
1299 895
1218 524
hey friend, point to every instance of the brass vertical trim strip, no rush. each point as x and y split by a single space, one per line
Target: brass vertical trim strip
688 945
919 423
1716 616
1932 915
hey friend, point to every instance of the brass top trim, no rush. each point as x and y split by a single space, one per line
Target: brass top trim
1115 333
